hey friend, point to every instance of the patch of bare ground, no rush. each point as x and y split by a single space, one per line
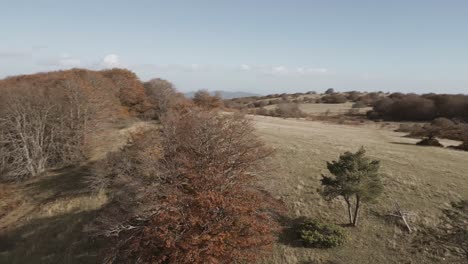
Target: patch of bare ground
423 180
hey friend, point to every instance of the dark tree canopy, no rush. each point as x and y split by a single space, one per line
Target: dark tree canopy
354 175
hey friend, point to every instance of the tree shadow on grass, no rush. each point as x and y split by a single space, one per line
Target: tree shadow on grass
64 182
289 235
58 239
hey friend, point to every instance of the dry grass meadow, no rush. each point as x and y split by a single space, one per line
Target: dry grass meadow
423 180
42 220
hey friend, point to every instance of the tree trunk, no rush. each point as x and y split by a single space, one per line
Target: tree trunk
350 213
356 210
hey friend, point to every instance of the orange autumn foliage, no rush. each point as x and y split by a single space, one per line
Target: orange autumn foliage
205 205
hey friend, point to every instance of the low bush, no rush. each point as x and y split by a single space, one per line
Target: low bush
370 98
260 103
409 128
205 100
429 141
440 127
316 234
442 122
463 146
262 111
288 110
353 96
335 98
359 104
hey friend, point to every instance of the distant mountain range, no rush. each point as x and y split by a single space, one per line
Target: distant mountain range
226 94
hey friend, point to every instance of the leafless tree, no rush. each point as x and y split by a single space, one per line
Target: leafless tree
40 128
162 95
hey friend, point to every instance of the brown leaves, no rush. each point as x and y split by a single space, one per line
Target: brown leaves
208 209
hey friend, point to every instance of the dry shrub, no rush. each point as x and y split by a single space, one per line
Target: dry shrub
409 128
335 98
288 110
262 111
353 96
463 145
231 104
429 141
203 205
370 98
41 128
130 90
260 103
162 96
440 127
359 104
205 100
442 122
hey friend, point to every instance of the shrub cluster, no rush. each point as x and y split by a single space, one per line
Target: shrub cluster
440 127
429 141
205 100
316 234
412 107
334 98
285 110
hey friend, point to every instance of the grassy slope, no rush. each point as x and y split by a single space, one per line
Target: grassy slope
422 179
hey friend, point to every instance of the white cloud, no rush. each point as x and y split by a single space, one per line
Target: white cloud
68 61
302 70
13 54
283 70
111 61
279 70
245 67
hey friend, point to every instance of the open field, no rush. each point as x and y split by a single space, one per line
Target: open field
423 180
43 219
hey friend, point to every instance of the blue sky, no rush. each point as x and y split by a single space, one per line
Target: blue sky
257 46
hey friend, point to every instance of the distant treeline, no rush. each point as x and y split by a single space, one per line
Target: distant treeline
427 107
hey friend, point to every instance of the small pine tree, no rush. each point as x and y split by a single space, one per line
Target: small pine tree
354 175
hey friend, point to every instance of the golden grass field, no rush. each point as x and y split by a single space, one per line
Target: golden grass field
422 180
42 220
